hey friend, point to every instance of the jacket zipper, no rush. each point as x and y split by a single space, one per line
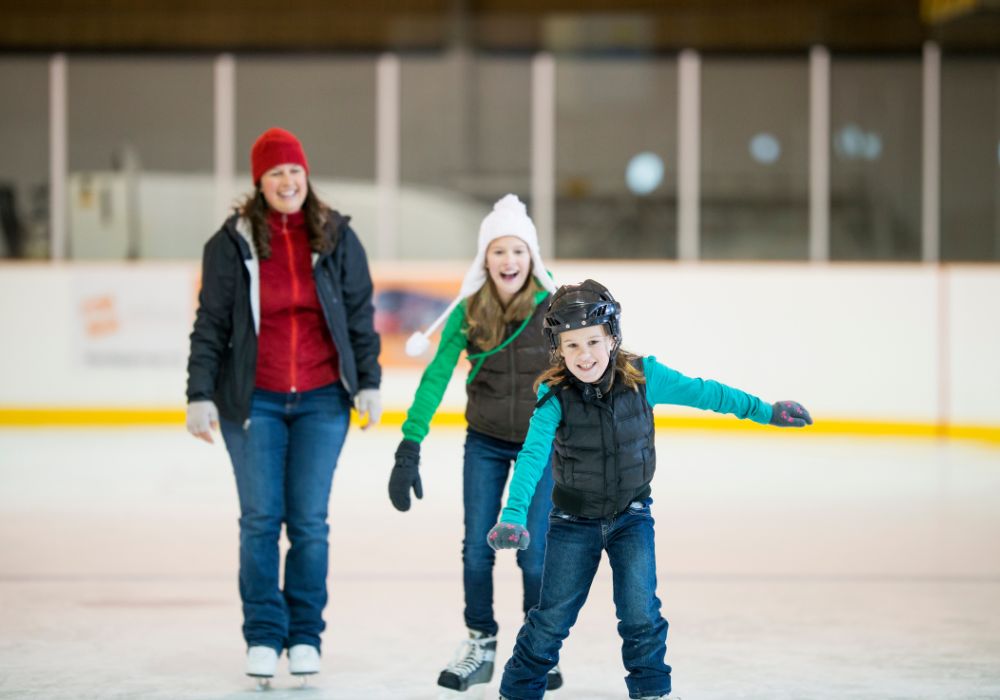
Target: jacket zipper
294 339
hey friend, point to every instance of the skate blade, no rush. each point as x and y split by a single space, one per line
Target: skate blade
262 682
303 679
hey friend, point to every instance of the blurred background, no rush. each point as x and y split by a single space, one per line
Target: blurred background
801 199
716 130
841 156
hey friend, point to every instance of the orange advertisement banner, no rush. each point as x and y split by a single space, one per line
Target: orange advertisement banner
403 306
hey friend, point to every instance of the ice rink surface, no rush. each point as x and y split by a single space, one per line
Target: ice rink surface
790 566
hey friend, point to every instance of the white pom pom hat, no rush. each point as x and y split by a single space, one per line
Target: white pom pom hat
508 218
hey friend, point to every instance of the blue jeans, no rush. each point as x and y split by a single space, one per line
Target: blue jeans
574 552
487 465
284 462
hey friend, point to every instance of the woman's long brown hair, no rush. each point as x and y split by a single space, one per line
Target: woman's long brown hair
254 208
487 318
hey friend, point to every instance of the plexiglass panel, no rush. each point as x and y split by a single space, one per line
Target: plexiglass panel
755 159
876 158
329 104
616 158
465 141
970 159
24 167
140 156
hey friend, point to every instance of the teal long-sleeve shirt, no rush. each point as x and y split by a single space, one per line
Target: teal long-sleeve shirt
663 386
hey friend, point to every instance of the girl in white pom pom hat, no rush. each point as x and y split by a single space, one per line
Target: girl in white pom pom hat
497 320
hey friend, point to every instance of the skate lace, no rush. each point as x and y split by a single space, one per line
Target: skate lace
470 656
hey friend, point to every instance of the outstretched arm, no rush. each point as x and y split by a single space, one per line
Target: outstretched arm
666 385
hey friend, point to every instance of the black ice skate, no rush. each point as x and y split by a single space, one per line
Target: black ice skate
472 665
554 678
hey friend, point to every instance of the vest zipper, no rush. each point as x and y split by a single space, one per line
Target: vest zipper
513 387
614 442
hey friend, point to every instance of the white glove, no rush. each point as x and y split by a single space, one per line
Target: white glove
202 419
369 401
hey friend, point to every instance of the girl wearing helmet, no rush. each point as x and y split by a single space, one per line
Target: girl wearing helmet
596 403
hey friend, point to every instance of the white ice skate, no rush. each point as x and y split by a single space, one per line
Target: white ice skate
303 661
262 662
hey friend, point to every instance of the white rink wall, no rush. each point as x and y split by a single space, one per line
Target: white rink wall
856 342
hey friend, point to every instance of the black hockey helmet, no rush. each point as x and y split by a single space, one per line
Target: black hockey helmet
582 305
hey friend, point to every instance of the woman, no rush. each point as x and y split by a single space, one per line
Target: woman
283 341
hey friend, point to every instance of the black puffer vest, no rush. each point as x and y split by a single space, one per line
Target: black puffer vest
500 396
604 450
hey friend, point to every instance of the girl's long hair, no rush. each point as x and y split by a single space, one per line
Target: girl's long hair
254 208
486 317
625 370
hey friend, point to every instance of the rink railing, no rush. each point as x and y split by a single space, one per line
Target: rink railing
877 349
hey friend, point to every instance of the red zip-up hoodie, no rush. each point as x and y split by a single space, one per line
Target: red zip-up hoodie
294 349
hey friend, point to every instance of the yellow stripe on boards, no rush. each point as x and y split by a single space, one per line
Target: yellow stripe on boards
69 417
20 417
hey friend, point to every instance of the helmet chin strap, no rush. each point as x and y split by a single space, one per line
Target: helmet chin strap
604 383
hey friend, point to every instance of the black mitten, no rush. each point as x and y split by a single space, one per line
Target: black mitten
405 475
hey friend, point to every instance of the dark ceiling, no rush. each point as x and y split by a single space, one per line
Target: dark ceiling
498 25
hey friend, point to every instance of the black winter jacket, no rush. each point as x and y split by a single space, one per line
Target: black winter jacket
223 361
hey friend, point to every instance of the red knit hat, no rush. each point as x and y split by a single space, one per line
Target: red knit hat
274 147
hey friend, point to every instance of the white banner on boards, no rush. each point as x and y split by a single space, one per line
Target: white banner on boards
133 317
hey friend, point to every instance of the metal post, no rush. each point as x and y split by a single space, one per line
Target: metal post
819 154
57 157
543 151
931 209
387 154
688 155
225 134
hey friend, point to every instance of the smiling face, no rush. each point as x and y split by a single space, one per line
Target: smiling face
587 352
508 262
284 187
